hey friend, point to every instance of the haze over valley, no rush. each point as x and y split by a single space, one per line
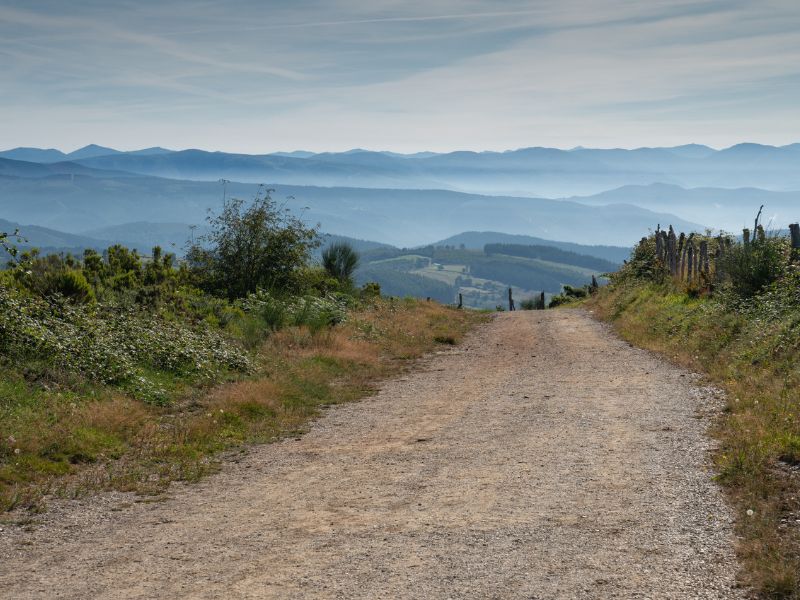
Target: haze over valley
381 196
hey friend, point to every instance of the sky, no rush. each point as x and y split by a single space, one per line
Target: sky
259 76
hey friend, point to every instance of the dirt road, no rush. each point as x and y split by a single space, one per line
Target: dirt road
544 458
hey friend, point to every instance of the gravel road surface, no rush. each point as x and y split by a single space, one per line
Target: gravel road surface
543 458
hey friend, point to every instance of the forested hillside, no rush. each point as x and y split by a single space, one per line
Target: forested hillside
551 254
482 278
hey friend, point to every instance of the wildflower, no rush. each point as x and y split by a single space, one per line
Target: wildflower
750 512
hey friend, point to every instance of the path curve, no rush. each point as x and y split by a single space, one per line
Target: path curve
543 458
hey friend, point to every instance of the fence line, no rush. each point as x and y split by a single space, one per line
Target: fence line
688 257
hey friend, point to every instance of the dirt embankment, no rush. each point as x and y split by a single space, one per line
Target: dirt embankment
544 458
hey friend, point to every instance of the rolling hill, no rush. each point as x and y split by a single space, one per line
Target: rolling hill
49 240
729 209
477 240
482 278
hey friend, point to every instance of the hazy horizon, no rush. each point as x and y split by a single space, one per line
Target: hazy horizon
287 150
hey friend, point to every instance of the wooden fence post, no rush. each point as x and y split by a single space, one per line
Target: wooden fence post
659 243
718 254
672 252
542 305
460 300
746 236
704 257
794 231
510 300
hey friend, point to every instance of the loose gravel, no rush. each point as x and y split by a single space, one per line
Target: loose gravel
543 458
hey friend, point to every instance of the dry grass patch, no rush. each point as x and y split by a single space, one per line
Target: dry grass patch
70 443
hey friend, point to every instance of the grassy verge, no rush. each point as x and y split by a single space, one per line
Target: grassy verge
70 438
753 352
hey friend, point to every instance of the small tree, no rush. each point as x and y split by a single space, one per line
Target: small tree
250 247
340 261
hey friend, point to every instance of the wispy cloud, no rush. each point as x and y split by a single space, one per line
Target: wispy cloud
252 75
99 30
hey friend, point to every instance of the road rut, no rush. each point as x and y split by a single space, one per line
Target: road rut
543 458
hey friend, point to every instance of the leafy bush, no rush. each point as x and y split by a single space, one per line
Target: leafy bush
310 311
114 346
271 311
749 268
642 264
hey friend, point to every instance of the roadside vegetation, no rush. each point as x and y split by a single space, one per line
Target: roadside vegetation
122 371
738 321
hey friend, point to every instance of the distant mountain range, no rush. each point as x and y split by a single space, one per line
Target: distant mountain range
534 172
85 204
153 195
51 155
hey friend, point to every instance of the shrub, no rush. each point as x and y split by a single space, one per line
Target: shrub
535 303
643 264
371 289
749 268
271 311
72 285
53 275
340 261
111 345
570 294
316 313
